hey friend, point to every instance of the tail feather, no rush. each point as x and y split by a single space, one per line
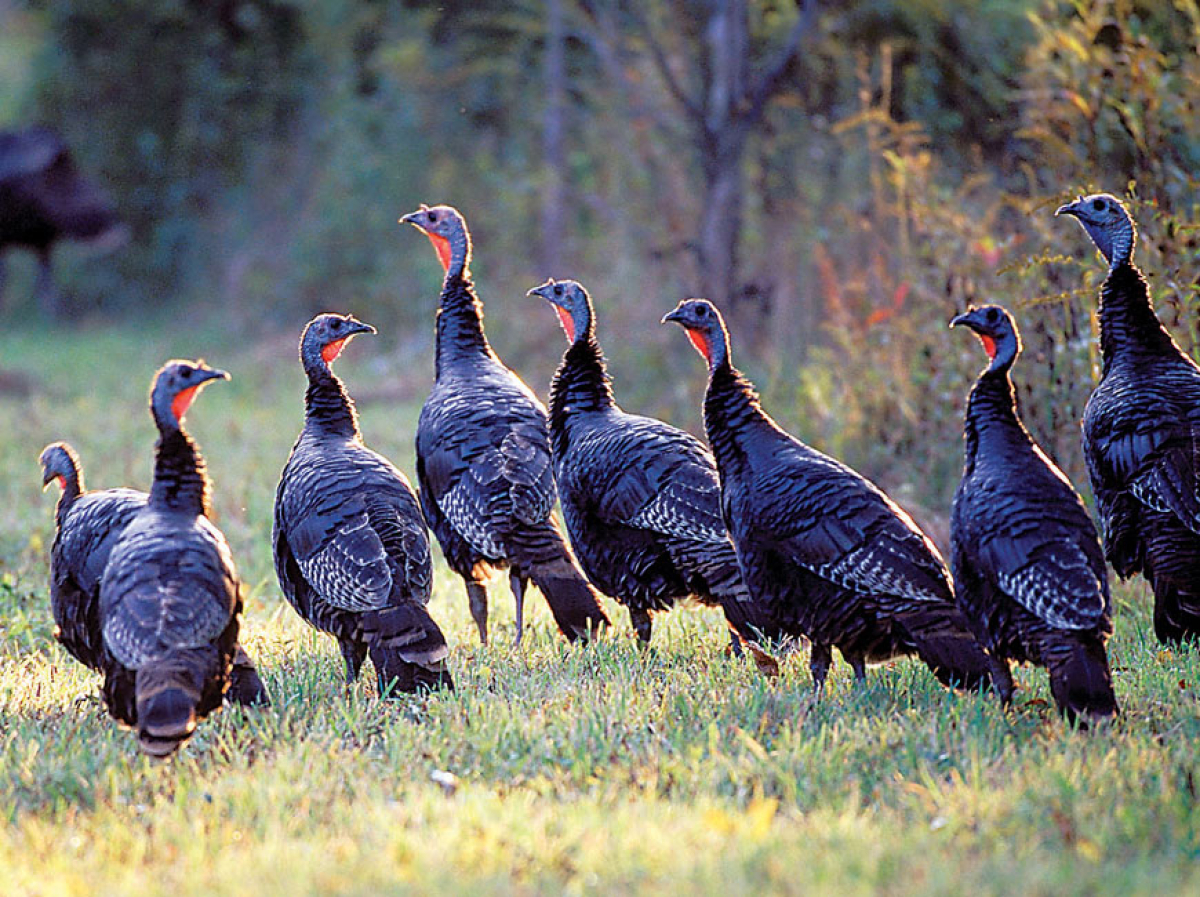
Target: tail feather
168 693
245 685
1080 679
546 559
944 643
408 650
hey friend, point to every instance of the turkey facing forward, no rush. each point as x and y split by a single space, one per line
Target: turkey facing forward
351 548
830 555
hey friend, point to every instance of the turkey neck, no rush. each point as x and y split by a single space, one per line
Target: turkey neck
581 383
180 478
991 420
327 407
460 336
734 421
72 489
1129 329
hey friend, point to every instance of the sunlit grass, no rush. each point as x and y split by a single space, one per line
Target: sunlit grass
603 770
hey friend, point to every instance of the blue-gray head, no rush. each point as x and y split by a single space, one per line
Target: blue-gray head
60 462
572 303
175 386
996 330
447 231
705 328
1108 224
325 337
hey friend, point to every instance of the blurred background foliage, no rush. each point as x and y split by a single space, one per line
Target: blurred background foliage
840 177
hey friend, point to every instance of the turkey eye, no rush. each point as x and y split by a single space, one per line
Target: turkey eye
337 325
558 291
1098 205
432 217
992 315
702 312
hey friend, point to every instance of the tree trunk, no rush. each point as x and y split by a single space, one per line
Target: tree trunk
554 183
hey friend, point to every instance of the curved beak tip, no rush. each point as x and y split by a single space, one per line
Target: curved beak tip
1065 209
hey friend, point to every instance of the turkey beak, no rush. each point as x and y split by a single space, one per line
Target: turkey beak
543 290
414 218
963 320
1071 208
675 316
353 328
47 478
207 374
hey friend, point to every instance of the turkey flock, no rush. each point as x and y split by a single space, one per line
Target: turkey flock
793 545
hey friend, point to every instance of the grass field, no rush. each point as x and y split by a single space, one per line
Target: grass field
605 770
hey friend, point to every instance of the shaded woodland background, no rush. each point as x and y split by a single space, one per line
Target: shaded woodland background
840 177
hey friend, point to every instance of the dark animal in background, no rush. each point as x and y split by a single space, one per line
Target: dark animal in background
828 554
43 199
170 600
1141 432
87 526
1029 572
351 547
483 457
640 499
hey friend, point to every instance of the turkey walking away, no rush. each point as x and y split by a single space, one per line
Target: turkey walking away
640 499
351 548
830 556
87 525
170 599
1141 432
1029 572
483 457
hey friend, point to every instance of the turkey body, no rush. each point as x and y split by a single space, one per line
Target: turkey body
352 555
1028 568
828 555
88 525
486 481
351 547
641 501
1141 439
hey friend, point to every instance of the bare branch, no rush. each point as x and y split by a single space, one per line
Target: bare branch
658 54
768 84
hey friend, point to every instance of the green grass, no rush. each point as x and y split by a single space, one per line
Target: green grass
604 770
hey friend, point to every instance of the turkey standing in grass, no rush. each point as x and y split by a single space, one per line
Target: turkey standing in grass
828 554
483 457
1029 572
170 598
640 499
87 525
1141 432
351 548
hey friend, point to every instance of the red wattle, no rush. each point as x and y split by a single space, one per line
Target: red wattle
332 350
700 341
62 482
989 345
442 246
568 323
183 401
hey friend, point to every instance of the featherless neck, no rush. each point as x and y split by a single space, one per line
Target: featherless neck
327 407
72 488
1128 326
180 476
460 333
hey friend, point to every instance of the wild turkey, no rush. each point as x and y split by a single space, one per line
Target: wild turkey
1141 432
351 548
829 555
1029 572
170 599
640 499
483 457
87 525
